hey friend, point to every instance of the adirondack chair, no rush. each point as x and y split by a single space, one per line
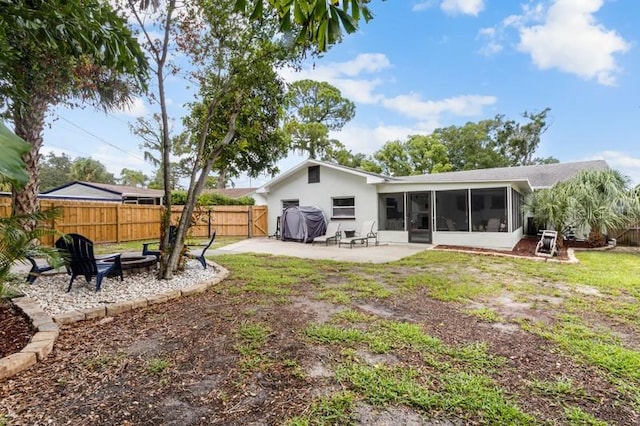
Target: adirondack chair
36 270
173 233
199 254
82 261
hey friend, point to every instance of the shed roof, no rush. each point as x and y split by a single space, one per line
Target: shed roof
123 190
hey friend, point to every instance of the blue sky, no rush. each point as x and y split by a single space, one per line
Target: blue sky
424 64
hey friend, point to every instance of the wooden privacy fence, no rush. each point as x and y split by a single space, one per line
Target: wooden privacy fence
629 237
113 222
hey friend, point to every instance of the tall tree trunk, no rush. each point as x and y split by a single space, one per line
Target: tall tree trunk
222 179
28 120
166 272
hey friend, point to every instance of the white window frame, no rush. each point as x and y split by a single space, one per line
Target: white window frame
335 208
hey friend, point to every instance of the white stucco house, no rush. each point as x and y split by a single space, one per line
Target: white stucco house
476 208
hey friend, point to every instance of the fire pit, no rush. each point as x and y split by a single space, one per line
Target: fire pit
133 263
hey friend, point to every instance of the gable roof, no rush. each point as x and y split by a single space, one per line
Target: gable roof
122 190
538 176
370 177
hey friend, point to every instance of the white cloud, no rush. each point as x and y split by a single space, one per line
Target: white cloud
413 106
465 7
426 113
367 139
364 63
568 37
423 5
622 161
491 48
136 108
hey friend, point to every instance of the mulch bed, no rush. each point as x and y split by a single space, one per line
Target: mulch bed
526 247
16 329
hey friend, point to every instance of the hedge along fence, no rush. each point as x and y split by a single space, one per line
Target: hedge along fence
104 222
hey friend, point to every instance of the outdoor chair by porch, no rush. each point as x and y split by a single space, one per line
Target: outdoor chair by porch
366 233
332 234
81 260
547 246
146 251
199 254
493 225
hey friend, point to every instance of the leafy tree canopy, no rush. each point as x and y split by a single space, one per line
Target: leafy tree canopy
313 109
90 170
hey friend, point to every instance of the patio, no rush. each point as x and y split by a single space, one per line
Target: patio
382 253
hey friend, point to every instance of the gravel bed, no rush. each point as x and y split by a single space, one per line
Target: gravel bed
50 290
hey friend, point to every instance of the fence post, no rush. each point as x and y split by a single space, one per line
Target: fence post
118 223
53 224
250 221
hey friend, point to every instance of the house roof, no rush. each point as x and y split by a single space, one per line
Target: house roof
538 176
232 192
123 190
370 177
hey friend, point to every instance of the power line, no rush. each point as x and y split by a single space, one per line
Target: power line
100 139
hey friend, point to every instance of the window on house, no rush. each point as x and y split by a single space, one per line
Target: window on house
489 210
391 212
452 211
343 208
289 203
314 174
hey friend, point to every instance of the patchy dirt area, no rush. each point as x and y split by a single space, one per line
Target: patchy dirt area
186 363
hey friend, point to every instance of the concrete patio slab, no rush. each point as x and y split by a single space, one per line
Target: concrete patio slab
382 253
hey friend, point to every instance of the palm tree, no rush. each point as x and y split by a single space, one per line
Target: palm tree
551 207
602 200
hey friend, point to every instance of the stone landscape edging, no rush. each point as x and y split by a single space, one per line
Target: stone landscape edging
47 326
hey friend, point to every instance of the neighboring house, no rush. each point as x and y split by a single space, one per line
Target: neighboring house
478 208
236 193
90 191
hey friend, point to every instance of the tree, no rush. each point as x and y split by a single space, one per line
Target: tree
89 170
318 22
15 242
314 108
420 154
394 159
603 201
54 51
132 178
519 142
54 171
472 146
339 154
232 63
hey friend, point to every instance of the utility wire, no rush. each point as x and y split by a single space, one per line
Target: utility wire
101 139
